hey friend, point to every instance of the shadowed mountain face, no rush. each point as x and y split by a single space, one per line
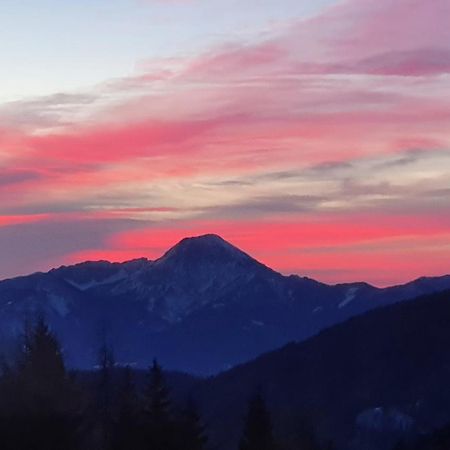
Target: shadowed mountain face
365 383
202 307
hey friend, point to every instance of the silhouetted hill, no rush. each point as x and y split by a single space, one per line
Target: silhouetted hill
363 383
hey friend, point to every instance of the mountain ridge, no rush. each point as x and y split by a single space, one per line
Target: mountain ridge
217 238
202 307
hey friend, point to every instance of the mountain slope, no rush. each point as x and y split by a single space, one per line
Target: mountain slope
202 307
364 383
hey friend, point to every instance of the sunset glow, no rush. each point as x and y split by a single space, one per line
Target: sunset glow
315 138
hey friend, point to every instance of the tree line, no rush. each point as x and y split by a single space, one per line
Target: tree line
44 406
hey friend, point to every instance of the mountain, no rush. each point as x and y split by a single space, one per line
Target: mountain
202 307
364 384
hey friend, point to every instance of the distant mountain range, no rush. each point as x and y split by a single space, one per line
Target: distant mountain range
203 307
364 384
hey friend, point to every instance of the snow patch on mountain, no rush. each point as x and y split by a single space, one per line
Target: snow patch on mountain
120 275
349 296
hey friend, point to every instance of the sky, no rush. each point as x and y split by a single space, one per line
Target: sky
313 135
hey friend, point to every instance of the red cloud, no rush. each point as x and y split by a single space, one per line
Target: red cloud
333 248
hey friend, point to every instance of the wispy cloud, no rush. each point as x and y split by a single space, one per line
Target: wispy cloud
338 115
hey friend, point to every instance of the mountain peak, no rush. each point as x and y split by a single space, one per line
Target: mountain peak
209 247
205 240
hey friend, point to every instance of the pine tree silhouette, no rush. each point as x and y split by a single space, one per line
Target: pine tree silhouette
158 423
105 396
192 432
42 397
126 430
42 370
257 434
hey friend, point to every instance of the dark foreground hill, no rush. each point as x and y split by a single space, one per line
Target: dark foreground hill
203 307
363 384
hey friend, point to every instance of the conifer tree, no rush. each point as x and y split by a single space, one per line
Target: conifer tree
41 396
159 423
257 434
192 431
42 369
126 434
105 395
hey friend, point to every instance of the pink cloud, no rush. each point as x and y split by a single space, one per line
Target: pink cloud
405 37
9 220
402 25
114 143
237 60
357 82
